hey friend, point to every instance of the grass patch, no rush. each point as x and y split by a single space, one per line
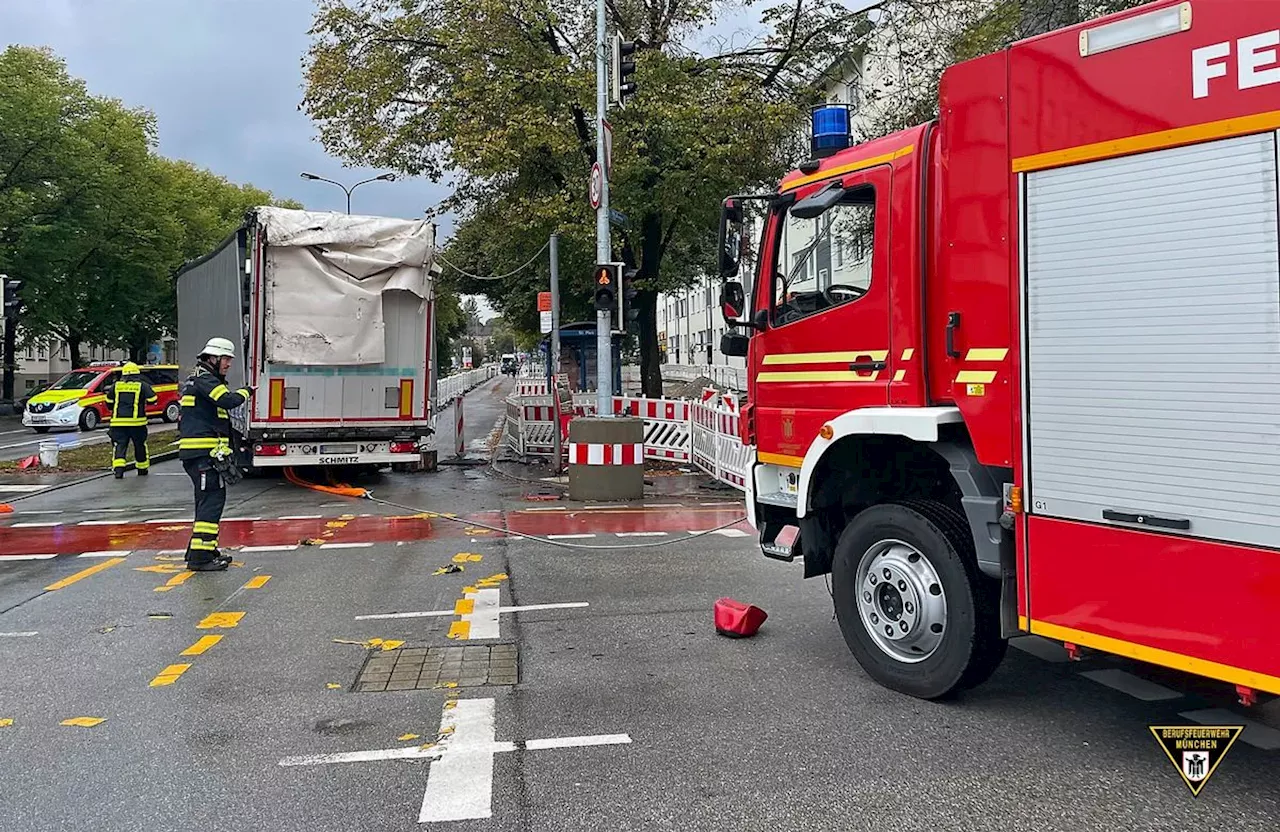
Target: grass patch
98 457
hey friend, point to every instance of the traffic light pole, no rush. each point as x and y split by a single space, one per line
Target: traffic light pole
604 247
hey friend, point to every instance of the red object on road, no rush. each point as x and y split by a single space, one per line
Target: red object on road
738 620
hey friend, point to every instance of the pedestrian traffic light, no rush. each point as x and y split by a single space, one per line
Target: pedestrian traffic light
12 302
606 283
622 68
627 310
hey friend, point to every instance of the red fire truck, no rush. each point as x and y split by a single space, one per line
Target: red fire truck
1017 370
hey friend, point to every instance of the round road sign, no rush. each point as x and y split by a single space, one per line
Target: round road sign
597 185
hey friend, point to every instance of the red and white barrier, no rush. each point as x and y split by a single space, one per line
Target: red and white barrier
702 432
581 453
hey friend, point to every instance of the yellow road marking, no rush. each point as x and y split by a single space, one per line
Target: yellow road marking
204 643
84 573
176 580
169 675
407 737
464 606
160 568
460 629
257 583
83 721
5 723
464 557
220 620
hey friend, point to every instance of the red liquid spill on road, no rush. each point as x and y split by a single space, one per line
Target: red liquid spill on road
74 539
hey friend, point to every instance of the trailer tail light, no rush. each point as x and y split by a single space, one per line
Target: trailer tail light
262 449
403 447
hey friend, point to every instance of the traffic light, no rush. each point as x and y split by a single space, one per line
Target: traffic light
627 311
622 68
11 301
606 281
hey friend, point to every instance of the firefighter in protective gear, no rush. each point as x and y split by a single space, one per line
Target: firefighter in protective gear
129 397
204 431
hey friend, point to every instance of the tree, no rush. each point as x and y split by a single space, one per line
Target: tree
91 219
502 93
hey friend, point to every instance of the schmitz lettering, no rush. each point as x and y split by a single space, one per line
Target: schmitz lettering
339 460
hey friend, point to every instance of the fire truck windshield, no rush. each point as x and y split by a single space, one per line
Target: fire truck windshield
824 261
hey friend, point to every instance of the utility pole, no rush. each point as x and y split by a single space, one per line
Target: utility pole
552 387
604 246
10 306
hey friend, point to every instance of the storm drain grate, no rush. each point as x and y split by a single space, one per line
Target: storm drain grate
419 668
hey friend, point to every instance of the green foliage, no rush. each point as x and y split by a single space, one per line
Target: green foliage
92 220
502 94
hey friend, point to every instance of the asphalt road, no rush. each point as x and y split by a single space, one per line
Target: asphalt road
629 711
17 441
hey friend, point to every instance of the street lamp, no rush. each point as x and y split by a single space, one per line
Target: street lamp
386 177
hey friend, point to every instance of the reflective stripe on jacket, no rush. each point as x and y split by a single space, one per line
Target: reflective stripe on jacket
205 423
129 400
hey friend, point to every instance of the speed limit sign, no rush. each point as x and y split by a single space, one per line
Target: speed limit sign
597 185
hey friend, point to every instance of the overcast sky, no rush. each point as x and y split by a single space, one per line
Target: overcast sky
224 79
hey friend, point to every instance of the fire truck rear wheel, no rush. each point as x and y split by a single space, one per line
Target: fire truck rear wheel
913 608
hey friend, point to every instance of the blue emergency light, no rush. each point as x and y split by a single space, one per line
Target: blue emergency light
830 129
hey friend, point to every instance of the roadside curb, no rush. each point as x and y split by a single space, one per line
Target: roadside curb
129 466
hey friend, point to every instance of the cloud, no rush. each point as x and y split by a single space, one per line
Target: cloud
224 80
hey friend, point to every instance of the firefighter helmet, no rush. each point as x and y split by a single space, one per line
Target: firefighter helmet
219 347
129 369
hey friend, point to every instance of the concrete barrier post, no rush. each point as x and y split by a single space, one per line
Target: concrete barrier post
606 459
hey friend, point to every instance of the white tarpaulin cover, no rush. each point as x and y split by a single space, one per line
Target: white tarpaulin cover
325 277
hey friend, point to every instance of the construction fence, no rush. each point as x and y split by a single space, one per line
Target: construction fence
702 433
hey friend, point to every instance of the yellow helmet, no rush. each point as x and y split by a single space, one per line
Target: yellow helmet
129 369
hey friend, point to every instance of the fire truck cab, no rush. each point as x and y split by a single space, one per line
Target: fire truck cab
1017 370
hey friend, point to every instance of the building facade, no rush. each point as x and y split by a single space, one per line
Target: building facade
47 360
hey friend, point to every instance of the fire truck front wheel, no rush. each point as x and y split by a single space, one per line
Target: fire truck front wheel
913 608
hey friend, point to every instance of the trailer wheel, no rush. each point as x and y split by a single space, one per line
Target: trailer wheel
913 608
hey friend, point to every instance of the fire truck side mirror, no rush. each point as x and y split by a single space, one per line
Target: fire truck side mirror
732 301
730 232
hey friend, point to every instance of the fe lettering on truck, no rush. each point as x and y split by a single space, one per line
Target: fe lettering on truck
1255 59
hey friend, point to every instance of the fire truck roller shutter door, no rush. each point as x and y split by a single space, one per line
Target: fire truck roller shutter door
1153 291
